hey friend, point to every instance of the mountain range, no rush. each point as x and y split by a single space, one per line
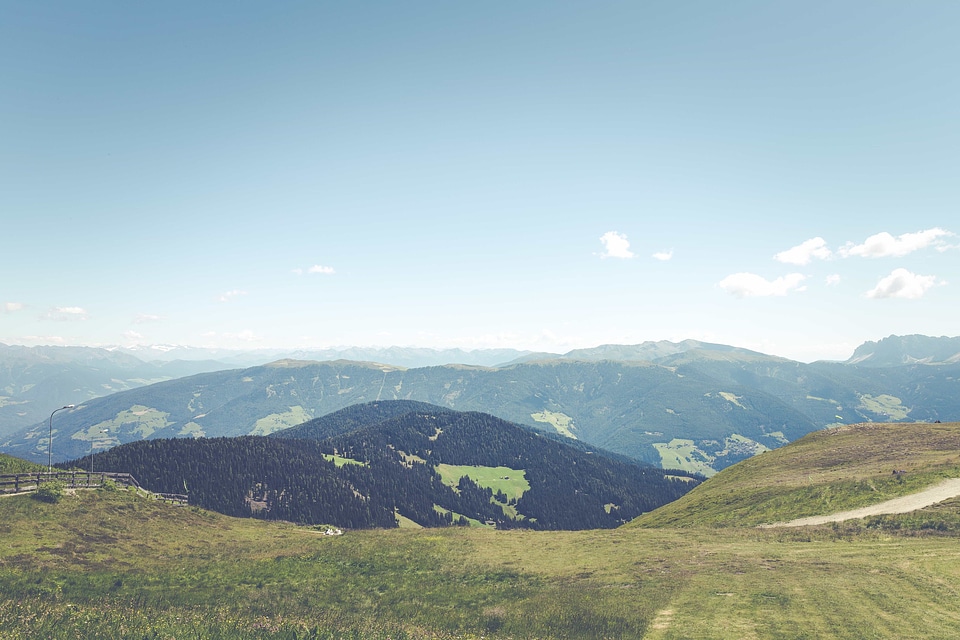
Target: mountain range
689 405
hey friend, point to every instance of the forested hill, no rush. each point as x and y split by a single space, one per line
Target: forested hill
568 488
434 467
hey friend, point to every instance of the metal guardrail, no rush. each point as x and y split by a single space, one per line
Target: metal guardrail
21 482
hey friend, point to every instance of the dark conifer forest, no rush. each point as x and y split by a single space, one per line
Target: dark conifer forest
362 466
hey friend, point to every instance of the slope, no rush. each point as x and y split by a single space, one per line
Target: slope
824 472
36 380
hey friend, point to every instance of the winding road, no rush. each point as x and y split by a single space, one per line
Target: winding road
905 504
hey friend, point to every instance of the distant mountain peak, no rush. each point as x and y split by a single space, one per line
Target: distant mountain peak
894 351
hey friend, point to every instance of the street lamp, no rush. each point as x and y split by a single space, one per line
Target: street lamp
50 441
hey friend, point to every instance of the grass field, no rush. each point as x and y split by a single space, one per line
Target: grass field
340 460
109 564
512 482
112 565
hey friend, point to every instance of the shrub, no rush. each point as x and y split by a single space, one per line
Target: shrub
50 491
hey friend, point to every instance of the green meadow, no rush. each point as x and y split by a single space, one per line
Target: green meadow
512 482
112 564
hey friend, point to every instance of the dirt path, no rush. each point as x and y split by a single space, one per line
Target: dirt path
937 493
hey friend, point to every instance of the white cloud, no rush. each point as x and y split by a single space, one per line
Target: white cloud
132 336
804 252
903 284
12 307
67 313
321 269
884 245
748 285
143 318
615 245
317 268
833 279
227 296
663 255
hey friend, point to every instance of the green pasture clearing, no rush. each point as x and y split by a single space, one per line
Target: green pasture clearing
404 522
512 482
684 455
112 565
340 460
138 419
559 421
278 421
473 521
885 405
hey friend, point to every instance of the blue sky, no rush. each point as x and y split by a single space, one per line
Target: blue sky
538 175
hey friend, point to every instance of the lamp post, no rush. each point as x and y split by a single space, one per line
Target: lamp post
50 441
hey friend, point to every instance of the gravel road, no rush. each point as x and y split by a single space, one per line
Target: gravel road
938 493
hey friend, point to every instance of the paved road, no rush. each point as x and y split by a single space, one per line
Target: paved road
937 493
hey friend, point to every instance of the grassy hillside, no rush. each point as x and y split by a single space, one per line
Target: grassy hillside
823 472
9 464
112 565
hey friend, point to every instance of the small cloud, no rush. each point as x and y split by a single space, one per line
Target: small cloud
884 245
65 314
226 297
615 245
317 268
833 279
663 255
243 336
12 307
143 318
903 284
132 336
750 285
804 252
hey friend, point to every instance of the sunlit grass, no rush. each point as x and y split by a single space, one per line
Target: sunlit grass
113 565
